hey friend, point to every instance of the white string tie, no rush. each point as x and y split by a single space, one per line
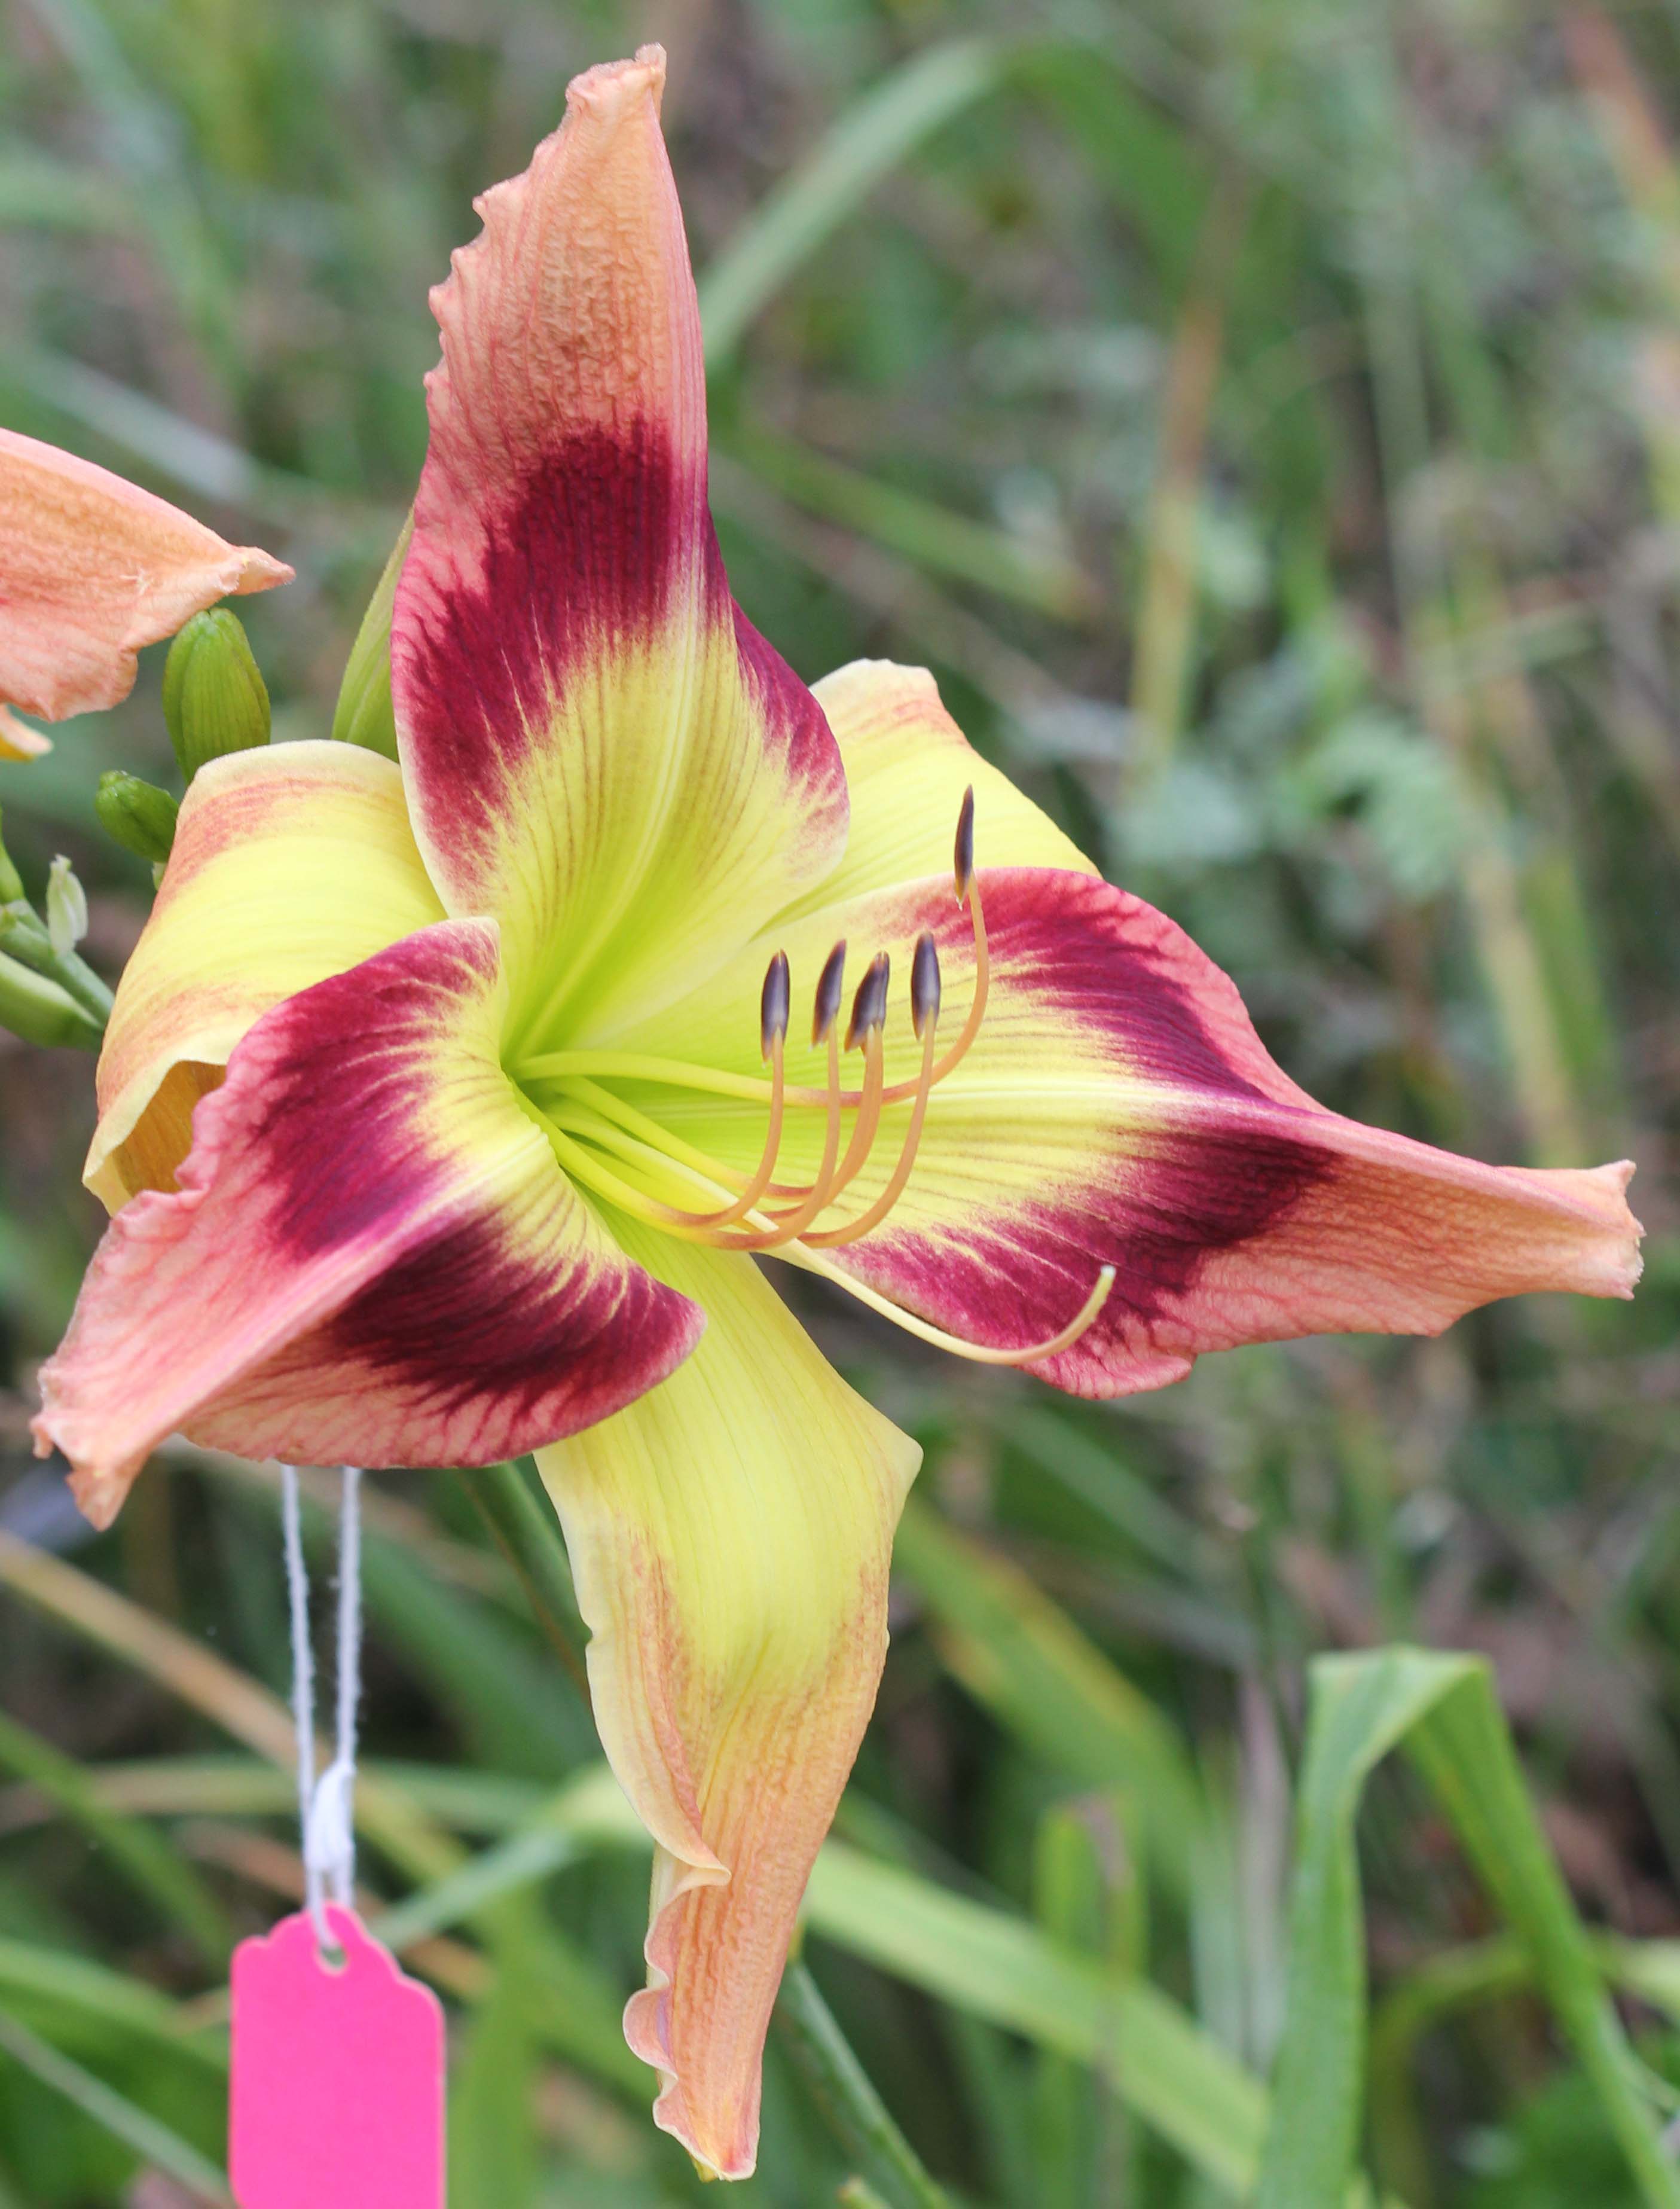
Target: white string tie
326 1806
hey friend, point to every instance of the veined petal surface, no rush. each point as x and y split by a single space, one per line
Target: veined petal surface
289 863
92 568
599 749
908 766
730 1533
371 1255
1118 1108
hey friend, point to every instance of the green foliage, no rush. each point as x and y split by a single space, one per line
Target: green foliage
1263 422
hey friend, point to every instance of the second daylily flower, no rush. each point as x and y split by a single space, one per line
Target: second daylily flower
445 1104
91 569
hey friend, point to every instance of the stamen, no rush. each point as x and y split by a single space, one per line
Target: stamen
773 1001
924 1003
773 1036
924 982
970 888
825 1010
976 1353
868 1018
963 858
869 1006
792 1223
654 1136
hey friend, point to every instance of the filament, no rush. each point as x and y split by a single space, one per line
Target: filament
976 1353
889 1195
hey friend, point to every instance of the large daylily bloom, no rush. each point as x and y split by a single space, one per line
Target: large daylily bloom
446 1105
91 569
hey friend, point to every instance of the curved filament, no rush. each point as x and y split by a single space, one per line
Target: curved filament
828 1238
793 1223
976 1353
959 1050
766 1166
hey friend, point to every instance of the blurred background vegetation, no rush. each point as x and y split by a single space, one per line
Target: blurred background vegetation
1266 422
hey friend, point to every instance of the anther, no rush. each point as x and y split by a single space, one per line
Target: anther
963 860
831 984
773 1004
924 982
869 1006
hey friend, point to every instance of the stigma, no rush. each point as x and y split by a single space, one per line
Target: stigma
631 1159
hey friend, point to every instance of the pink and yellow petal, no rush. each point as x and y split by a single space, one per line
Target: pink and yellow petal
598 749
730 1533
371 1255
289 863
92 568
1118 1109
908 766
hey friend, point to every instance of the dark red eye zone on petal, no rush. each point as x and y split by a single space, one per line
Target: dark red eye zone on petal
1233 1208
372 1255
469 1322
581 557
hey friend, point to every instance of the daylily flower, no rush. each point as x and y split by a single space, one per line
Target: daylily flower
508 1060
91 569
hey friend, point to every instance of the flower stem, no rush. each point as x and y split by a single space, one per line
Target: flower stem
34 1007
841 2089
25 939
528 1535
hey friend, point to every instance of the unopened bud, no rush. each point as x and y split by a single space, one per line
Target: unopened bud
364 715
140 815
11 883
66 908
215 701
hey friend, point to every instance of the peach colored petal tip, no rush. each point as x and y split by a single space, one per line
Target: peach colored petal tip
18 741
610 86
724 2143
1613 1264
259 571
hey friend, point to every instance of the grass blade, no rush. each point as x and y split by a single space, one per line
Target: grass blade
1444 1710
153 1869
154 2141
868 142
1021 1655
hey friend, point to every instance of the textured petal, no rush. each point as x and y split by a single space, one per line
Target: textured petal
92 568
289 863
908 765
1118 1109
372 1255
730 1533
18 741
598 749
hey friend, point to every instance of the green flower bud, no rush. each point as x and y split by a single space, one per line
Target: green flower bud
215 699
66 908
140 815
11 883
364 715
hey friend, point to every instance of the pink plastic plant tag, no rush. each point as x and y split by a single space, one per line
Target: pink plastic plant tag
337 2076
